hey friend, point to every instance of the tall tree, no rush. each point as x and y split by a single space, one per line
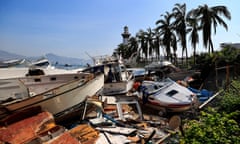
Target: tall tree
157 43
122 51
165 29
179 12
143 44
133 47
149 39
193 28
174 48
210 17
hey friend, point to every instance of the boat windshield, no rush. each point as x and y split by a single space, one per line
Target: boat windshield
153 87
171 93
113 73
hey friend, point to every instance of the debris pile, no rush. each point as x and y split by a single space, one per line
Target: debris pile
105 124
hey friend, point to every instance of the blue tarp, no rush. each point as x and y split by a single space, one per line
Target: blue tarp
202 95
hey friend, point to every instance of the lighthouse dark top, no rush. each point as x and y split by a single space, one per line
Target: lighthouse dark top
125 35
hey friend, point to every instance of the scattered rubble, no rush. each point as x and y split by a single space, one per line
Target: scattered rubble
103 124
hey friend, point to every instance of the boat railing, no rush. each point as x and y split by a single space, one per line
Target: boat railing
71 84
80 79
98 60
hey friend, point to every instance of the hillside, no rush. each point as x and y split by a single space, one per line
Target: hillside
54 59
8 56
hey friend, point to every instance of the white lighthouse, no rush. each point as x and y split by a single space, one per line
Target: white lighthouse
125 35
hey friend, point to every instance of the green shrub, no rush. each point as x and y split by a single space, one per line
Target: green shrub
212 128
230 101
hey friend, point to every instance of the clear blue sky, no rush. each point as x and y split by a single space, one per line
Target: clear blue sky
73 27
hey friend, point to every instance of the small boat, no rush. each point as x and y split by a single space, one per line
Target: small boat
18 72
117 79
32 68
11 63
167 69
166 94
55 93
42 62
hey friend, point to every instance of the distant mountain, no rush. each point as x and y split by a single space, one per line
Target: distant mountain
9 56
54 59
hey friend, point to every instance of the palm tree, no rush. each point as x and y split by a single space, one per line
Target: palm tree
143 44
193 28
210 17
149 38
156 43
133 47
122 50
179 12
165 29
174 47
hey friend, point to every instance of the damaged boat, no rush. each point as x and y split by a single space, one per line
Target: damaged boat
165 69
55 93
117 79
166 95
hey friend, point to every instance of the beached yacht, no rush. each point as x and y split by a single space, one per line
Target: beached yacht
54 93
117 79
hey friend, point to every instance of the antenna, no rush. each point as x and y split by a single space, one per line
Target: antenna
91 57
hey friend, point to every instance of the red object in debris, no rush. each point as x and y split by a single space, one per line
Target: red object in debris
136 85
24 130
23 114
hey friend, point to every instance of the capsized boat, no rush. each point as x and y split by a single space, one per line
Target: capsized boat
117 79
54 93
166 94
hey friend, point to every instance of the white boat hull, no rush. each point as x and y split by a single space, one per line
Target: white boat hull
18 88
17 72
118 80
169 95
170 108
61 98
